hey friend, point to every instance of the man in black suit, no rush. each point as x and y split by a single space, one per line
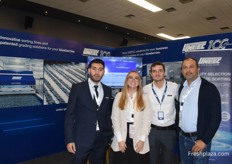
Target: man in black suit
199 115
88 126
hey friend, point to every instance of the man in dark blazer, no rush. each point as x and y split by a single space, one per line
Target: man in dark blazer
88 126
199 114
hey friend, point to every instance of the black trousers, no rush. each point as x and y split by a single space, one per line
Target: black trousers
129 156
95 154
162 146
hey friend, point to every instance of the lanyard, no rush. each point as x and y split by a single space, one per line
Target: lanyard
165 90
185 95
131 108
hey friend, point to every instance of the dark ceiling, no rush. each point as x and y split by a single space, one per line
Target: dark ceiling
34 8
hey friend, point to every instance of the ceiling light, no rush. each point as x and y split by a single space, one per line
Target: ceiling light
146 5
183 37
171 37
166 36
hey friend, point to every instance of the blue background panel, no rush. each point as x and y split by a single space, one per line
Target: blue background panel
31 132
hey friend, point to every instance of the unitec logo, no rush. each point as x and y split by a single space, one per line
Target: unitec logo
89 51
210 60
194 46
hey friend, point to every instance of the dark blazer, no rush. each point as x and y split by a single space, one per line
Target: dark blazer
209 111
81 115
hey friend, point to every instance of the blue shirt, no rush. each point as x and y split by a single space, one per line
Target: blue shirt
189 106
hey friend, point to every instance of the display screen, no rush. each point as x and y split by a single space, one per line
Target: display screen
116 69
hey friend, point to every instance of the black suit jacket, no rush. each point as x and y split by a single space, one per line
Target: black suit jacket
209 111
82 114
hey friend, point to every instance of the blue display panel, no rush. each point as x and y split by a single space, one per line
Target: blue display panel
116 69
10 77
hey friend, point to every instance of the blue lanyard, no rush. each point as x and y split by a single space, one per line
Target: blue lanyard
165 90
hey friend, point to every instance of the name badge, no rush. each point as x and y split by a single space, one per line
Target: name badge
160 115
181 106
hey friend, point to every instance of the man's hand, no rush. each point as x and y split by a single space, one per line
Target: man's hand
71 147
199 146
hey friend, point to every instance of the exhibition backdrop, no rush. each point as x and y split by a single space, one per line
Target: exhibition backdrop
32 113
215 66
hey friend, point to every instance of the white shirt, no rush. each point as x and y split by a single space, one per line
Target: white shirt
142 124
168 104
130 108
99 89
189 111
100 95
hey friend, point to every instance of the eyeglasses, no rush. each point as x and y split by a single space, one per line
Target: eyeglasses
133 78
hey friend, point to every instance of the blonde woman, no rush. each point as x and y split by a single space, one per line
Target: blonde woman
131 118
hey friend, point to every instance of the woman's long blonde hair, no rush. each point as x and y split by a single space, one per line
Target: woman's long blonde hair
139 102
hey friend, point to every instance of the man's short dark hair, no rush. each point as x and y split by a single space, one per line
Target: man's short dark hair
187 58
155 64
96 61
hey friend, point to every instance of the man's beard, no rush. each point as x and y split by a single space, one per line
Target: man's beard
95 80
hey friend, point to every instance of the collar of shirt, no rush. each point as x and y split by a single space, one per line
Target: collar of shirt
162 88
91 86
160 91
133 96
195 82
131 101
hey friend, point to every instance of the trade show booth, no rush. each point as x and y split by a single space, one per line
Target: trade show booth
37 72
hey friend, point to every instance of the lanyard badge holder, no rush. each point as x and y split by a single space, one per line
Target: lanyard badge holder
160 115
132 128
160 112
131 131
184 96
